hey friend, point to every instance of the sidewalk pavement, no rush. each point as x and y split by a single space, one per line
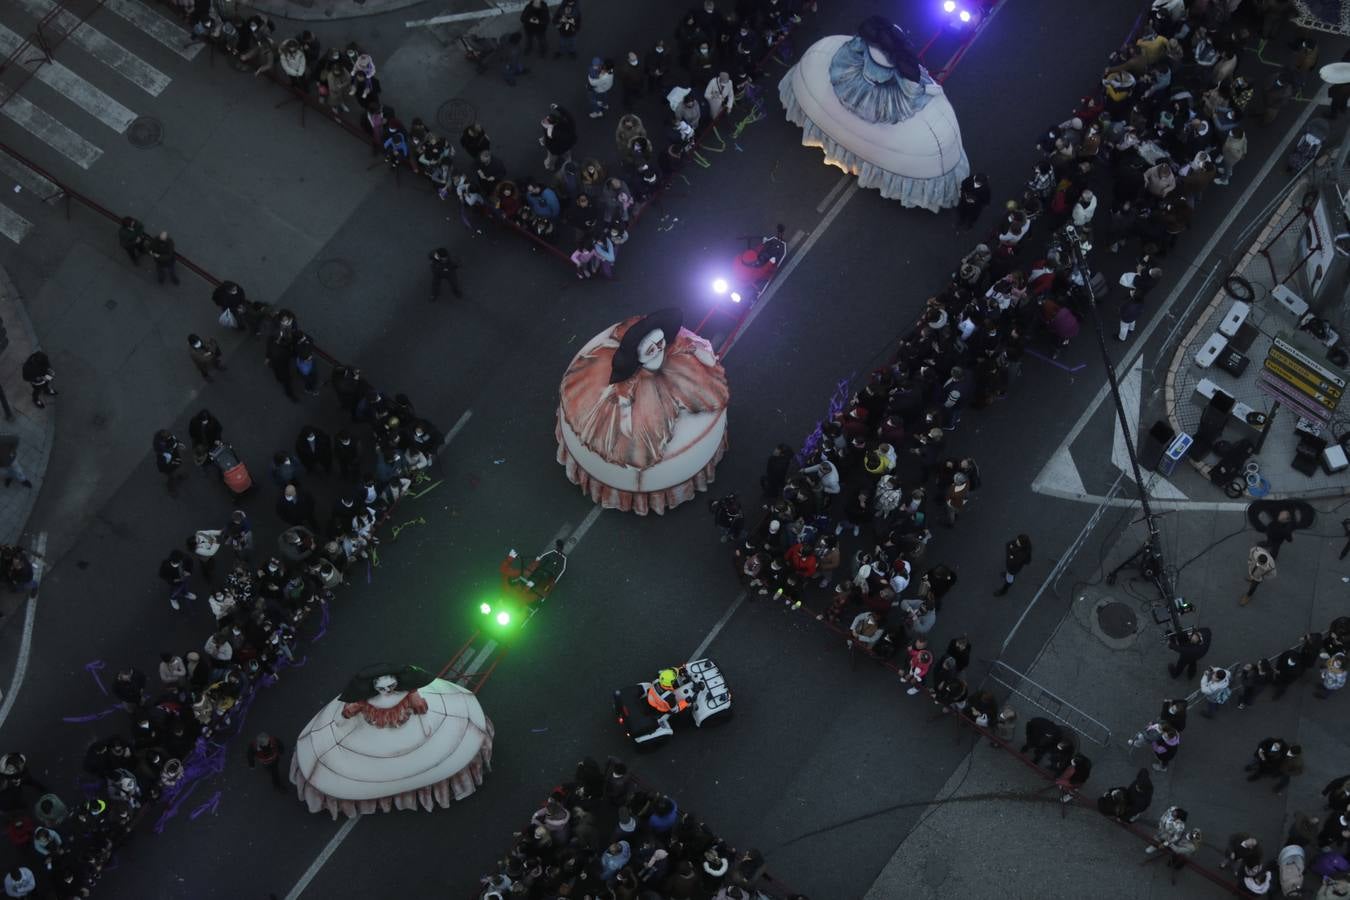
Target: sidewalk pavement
35 428
994 803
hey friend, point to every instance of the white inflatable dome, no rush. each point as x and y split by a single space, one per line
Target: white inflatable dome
918 160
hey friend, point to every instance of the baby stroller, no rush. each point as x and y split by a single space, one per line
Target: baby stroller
479 50
232 470
1309 145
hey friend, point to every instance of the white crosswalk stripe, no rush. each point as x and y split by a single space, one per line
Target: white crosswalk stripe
51 132
16 173
14 226
101 47
73 87
157 26
89 94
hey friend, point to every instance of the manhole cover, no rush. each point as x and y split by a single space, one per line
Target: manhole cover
145 132
1116 619
454 116
336 273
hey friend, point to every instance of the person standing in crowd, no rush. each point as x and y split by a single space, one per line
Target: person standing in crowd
1016 556
775 474
172 671
1165 744
267 749
567 19
38 372
599 80
165 256
205 355
1267 759
534 21
974 197
168 460
177 574
314 449
131 237
1190 646
1280 531
443 268
1215 688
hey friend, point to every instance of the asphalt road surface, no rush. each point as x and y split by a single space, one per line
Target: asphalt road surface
825 767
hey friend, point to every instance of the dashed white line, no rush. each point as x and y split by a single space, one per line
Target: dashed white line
793 262
457 427
834 192
322 858
717 629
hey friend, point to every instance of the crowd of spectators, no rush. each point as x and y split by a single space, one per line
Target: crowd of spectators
606 836
580 200
179 717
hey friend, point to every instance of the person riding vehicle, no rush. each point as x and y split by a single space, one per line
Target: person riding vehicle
756 267
664 695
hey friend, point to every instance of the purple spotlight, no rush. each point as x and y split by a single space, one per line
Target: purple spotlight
949 6
965 15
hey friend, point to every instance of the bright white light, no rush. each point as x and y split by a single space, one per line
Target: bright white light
719 285
503 618
965 15
949 6
735 297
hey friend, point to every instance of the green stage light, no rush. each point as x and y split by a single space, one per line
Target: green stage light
485 608
503 618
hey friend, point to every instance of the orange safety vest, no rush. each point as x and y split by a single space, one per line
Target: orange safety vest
659 703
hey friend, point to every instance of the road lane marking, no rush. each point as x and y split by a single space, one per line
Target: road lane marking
457 427
792 263
834 192
717 629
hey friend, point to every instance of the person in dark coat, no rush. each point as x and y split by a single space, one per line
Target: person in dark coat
168 459
776 471
295 507
1279 531
279 359
1042 736
443 268
38 372
1190 647
975 196
1016 555
347 451
1128 803
204 429
268 750
314 449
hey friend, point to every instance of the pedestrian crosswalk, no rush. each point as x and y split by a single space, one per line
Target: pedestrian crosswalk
105 73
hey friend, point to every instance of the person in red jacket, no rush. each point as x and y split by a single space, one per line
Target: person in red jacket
803 561
267 750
